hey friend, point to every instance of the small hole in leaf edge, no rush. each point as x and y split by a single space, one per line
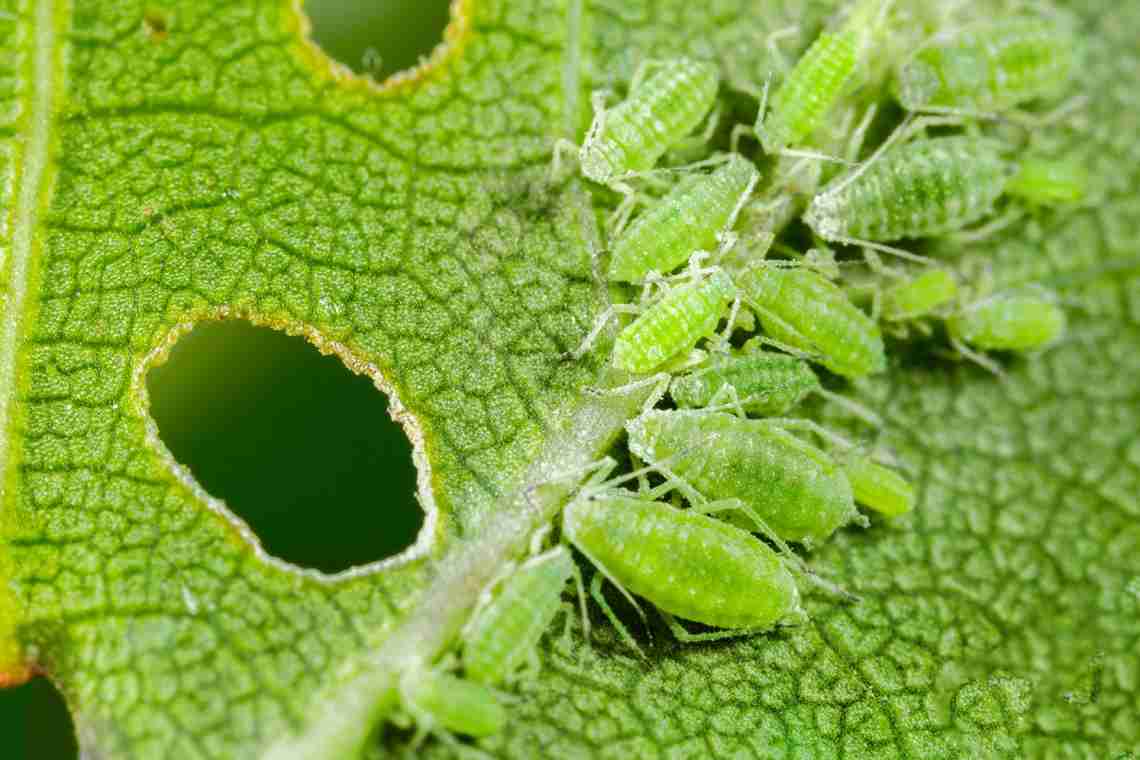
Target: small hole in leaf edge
381 44
298 447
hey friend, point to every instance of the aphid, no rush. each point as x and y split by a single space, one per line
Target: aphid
436 699
1049 182
920 188
686 563
987 67
878 487
802 310
799 492
504 633
674 324
1009 322
760 382
633 135
817 81
919 297
698 212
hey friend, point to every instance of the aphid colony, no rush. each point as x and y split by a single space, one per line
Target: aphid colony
731 329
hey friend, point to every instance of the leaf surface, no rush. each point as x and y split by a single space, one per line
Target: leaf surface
175 162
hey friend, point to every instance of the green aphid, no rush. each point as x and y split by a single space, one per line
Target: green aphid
659 112
674 324
438 700
805 312
693 216
1021 321
815 84
762 382
686 563
878 487
921 188
505 631
799 491
919 297
1049 182
987 67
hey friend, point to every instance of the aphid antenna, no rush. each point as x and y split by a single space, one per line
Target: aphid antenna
599 324
989 228
856 409
979 359
792 423
899 252
650 467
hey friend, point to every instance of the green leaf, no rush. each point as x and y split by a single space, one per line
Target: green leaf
222 167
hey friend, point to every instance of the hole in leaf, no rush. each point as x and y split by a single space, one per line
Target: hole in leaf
35 723
377 38
295 444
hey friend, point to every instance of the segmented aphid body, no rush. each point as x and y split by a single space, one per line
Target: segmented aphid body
685 563
674 324
920 297
988 67
506 630
816 82
799 491
803 310
438 699
1009 322
633 135
917 189
688 219
878 487
1049 182
767 383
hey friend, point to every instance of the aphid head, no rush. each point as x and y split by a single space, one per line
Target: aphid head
722 284
917 84
599 160
822 216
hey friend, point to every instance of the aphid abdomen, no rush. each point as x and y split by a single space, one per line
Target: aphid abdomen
921 188
921 296
685 563
798 490
457 704
1009 322
988 67
877 487
636 132
509 627
768 383
1046 182
809 92
685 220
802 309
674 324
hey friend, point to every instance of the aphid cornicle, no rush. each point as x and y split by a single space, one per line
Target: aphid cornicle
674 324
878 487
685 563
1009 322
816 82
987 67
438 699
919 297
799 491
633 135
505 631
763 382
921 188
689 218
804 311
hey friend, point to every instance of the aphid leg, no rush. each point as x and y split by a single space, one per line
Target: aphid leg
978 358
1037 121
901 253
620 216
687 637
774 49
727 396
599 325
856 409
568 614
539 537
742 130
623 632
659 381
987 229
561 146
793 423
859 134
580 588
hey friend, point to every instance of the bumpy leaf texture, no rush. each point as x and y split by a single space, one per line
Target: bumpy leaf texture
170 162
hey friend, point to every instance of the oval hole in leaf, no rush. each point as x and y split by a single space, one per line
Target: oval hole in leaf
35 723
292 441
377 38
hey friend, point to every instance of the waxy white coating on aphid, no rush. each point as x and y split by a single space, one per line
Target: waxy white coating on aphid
803 310
688 219
685 563
435 698
987 67
633 135
506 631
766 383
797 489
674 324
1009 322
917 189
